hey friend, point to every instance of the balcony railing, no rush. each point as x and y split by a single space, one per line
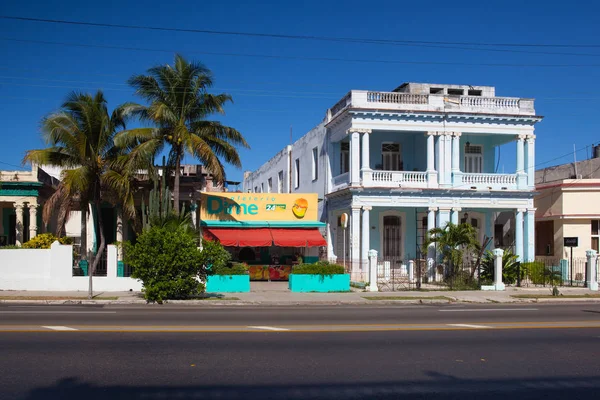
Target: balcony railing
432 102
395 179
493 181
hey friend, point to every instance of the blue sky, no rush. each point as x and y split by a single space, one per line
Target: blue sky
272 94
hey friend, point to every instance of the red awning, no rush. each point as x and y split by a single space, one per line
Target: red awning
296 237
236 237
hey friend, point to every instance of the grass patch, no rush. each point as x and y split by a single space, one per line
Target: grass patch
57 298
549 296
408 298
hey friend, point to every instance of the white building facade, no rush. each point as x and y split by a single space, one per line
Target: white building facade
403 162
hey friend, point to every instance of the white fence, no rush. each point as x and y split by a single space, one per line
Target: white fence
52 269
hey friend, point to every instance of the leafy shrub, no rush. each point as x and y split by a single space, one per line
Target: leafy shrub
539 274
167 262
318 268
462 280
45 240
510 267
10 247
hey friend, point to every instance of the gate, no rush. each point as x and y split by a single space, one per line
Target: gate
393 274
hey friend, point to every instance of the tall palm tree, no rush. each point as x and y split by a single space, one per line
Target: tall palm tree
179 108
452 241
81 142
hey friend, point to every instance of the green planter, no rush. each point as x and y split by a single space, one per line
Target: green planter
120 268
228 284
83 264
319 283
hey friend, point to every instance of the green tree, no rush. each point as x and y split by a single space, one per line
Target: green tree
81 142
179 108
452 242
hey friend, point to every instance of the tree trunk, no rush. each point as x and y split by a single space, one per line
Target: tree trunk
101 247
176 185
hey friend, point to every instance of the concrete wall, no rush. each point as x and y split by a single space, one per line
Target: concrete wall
588 169
580 228
52 269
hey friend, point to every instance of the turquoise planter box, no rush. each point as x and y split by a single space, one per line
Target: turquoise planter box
319 283
228 283
120 268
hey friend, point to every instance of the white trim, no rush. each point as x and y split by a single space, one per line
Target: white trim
402 216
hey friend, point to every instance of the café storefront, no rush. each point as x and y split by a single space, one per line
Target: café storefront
270 232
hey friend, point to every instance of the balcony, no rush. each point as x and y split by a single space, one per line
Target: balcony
432 102
486 181
394 179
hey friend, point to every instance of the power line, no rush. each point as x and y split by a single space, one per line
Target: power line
281 57
289 36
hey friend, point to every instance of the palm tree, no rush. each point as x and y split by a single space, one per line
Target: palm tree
179 105
81 141
452 241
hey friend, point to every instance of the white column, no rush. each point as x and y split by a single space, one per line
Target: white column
529 233
330 222
365 166
442 222
521 176
431 172
519 235
592 270
439 157
531 161
431 247
454 218
498 284
354 157
33 228
119 234
355 242
373 271
19 225
448 159
456 174
366 238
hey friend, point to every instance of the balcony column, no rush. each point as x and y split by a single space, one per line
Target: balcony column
33 228
355 243
454 217
456 174
354 156
365 168
521 176
529 241
439 157
431 247
519 235
365 241
19 225
447 159
432 175
530 141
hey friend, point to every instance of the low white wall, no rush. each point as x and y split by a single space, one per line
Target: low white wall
52 269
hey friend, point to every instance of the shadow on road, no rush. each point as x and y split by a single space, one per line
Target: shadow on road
442 388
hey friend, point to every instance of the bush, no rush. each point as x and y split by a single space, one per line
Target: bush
510 267
167 262
318 268
45 240
539 274
10 247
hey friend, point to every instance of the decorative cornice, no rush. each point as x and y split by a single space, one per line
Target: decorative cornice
367 208
358 130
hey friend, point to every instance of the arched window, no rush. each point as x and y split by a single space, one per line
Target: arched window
392 240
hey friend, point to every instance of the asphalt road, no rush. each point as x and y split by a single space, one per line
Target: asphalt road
429 362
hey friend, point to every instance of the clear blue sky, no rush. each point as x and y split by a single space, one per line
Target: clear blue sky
271 94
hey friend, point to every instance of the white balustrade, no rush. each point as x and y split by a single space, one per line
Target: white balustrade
489 102
494 181
397 98
395 178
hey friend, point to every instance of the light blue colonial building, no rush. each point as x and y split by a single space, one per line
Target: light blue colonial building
400 163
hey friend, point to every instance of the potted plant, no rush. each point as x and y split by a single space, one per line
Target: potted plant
319 277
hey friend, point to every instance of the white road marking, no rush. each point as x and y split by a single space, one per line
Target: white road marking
58 312
470 326
59 328
269 328
489 309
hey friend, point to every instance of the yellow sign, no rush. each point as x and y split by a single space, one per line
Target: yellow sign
258 207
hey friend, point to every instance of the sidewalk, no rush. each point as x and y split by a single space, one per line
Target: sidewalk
277 294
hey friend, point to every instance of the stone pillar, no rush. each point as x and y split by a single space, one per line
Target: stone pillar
355 242
529 232
498 284
439 158
366 238
411 271
592 270
521 176
354 157
448 159
519 235
456 174
432 176
431 247
33 228
330 221
119 234
455 216
19 226
365 165
373 271
531 161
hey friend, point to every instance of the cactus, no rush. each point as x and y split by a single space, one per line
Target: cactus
160 206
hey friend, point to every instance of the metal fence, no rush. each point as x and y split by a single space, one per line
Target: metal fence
554 272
